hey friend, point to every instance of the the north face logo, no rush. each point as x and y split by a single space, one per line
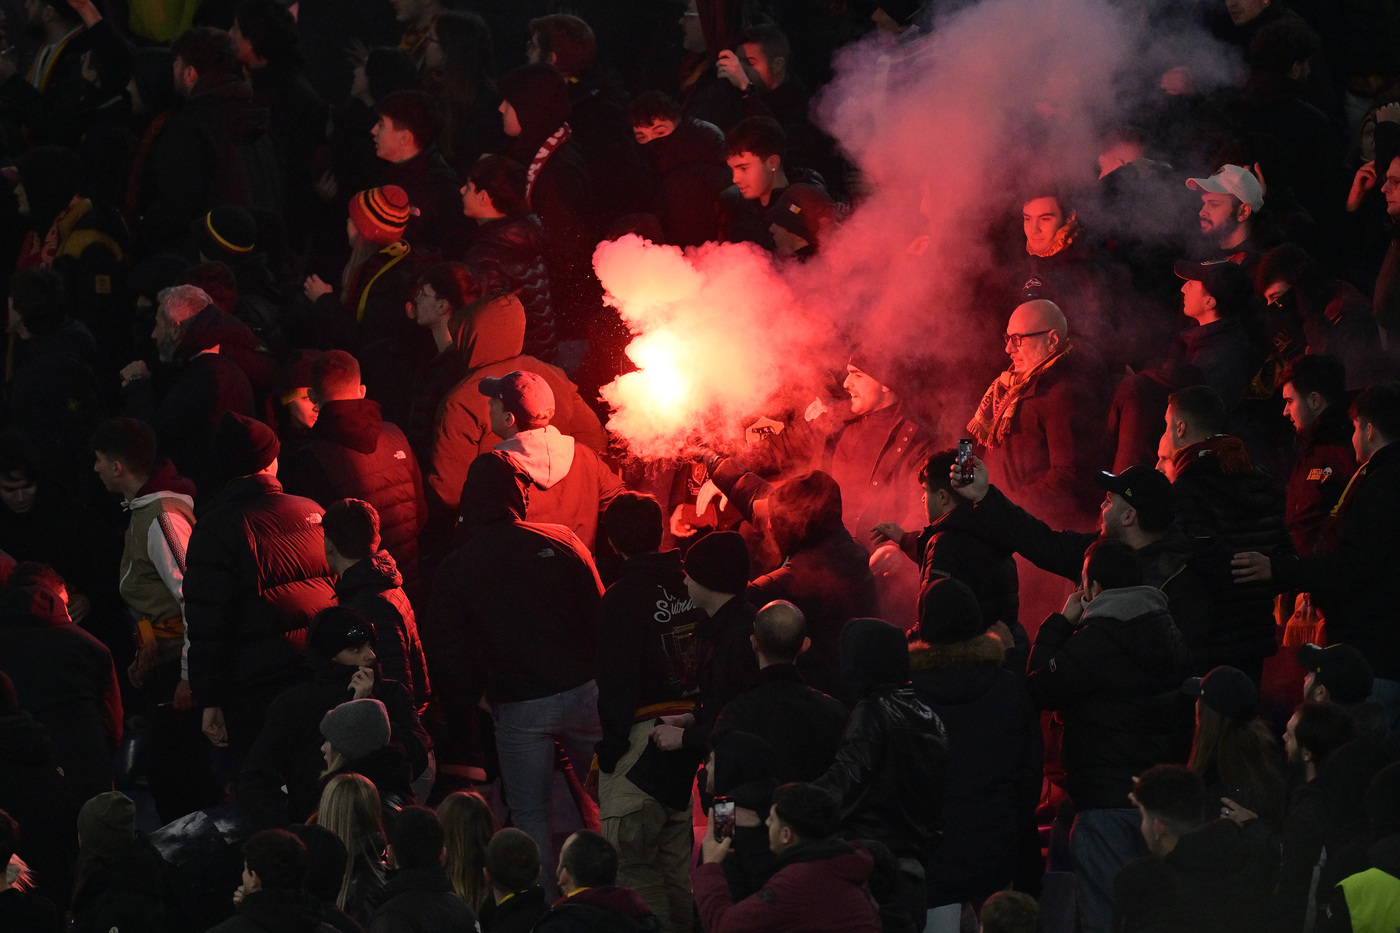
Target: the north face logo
547 552
400 455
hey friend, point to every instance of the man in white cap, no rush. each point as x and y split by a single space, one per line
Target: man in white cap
1230 199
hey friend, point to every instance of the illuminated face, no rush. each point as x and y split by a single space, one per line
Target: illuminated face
1358 440
1028 341
760 66
1041 219
1196 302
659 127
302 411
1391 189
500 426
428 307
106 470
1244 11
1297 410
1166 460
391 143
17 492
510 120
1275 292
866 392
753 176
1220 215
1111 512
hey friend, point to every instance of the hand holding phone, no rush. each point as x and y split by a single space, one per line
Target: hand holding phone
724 818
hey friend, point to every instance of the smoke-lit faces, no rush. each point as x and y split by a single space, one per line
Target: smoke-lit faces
359 656
17 492
655 130
1197 303
1041 219
866 392
510 120
1036 330
1222 218
1112 511
1245 11
1302 410
754 176
1390 187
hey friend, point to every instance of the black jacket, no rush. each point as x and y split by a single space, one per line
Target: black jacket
727 665
593 910
374 588
891 768
563 197
517 914
509 253
351 452
277 910
994 766
421 900
255 575
536 636
803 725
297 118
124 892
1354 581
434 192
689 172
1115 680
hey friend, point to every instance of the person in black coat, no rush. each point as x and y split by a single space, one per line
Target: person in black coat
351 452
507 251
512 867
688 170
255 576
405 140
994 749
341 650
272 897
418 898
803 725
121 876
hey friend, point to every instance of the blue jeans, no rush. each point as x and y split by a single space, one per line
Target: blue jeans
525 735
1101 842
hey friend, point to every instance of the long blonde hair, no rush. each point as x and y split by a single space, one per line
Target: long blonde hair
350 809
468 825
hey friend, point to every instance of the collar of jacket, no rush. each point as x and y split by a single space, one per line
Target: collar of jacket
984 649
1125 602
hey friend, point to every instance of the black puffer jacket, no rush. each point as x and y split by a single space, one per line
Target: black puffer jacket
1115 680
255 575
509 253
689 174
891 769
432 188
374 588
994 766
421 900
958 545
1231 505
351 452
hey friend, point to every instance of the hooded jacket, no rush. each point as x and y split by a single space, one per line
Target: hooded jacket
492 341
351 452
533 637
153 557
994 765
569 484
690 173
374 588
1115 680
509 253
891 768
617 910
819 887
255 575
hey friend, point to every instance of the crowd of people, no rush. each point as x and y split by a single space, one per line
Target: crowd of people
328 601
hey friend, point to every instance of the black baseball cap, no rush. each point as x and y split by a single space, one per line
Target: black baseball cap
1146 490
1342 669
1227 283
1227 690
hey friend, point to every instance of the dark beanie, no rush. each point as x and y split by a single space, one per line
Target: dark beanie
248 446
226 232
325 860
107 823
719 562
357 728
336 628
296 376
948 612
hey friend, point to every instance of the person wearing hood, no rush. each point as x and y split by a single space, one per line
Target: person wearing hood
492 342
534 112
1111 665
445 291
272 897
368 581
527 647
1367 900
820 881
255 575
120 874
646 637
592 898
508 248
161 506
995 751
341 649
687 166
351 452
1222 497
1201 875
891 768
215 148
201 386
570 484
743 769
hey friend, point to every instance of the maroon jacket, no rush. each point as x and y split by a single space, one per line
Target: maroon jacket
819 888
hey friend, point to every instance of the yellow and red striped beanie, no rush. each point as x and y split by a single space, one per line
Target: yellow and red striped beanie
380 214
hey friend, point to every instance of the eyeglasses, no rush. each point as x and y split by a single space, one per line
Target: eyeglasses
1015 340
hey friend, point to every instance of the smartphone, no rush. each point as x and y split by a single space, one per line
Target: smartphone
965 459
724 818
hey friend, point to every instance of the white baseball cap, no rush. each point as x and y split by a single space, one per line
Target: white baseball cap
1232 179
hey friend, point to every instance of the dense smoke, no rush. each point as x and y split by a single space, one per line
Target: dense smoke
951 132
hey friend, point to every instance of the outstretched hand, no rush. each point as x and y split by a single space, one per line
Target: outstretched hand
975 489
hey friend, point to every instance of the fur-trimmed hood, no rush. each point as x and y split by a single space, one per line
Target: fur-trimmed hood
984 649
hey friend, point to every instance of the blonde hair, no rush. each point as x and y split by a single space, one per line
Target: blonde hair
468 825
350 809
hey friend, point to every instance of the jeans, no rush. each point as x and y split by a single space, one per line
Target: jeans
525 735
1101 842
1387 694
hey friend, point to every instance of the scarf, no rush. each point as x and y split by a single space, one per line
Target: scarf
41 254
559 138
992 422
357 296
41 69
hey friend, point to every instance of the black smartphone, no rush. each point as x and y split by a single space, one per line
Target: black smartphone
724 818
965 459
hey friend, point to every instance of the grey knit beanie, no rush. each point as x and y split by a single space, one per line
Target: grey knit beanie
107 823
357 728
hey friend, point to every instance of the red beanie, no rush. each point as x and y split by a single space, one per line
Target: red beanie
380 214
